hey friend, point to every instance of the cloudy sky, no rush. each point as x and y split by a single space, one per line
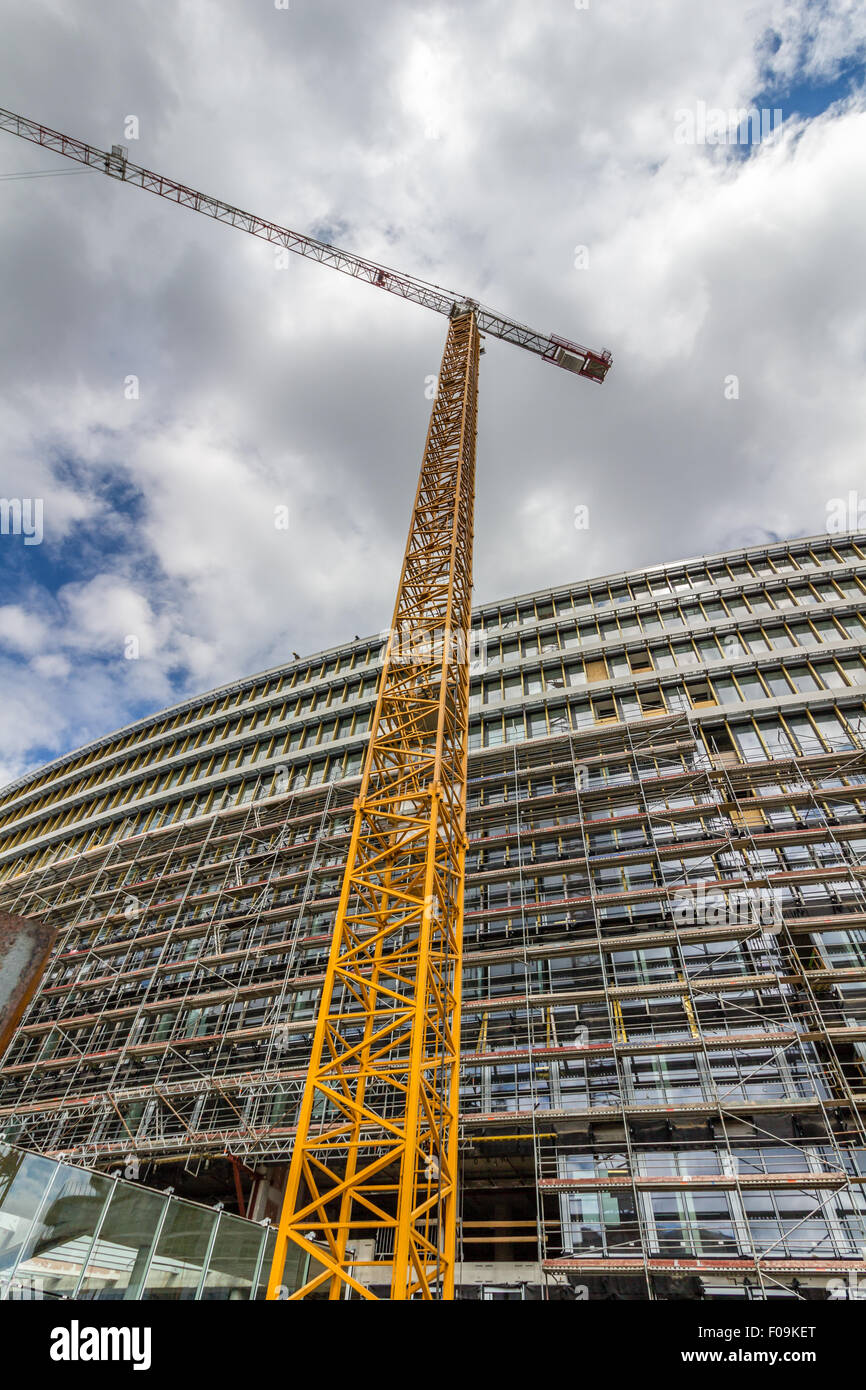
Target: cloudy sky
544 156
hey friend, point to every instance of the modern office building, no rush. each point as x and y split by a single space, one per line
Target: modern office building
664 1001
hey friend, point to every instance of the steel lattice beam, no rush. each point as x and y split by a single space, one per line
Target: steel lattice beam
376 1151
560 351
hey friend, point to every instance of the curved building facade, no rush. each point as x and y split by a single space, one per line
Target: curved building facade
664 1017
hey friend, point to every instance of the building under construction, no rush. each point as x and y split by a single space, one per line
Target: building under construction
663 1044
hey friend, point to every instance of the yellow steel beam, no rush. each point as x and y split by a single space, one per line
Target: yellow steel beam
375 1157
689 1009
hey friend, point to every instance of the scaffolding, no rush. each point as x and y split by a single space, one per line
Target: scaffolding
664 1004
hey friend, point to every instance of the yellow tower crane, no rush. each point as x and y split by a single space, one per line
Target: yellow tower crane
370 1204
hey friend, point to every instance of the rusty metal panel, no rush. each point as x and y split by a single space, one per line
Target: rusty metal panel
25 945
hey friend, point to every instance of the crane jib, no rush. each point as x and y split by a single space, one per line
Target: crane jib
572 357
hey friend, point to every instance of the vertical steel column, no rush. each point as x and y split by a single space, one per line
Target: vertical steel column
375 1157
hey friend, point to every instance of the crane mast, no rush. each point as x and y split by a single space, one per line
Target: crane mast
370 1208
375 1154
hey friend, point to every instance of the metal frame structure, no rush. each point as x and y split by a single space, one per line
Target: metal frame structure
376 1149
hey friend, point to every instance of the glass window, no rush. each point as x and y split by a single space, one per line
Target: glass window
777 741
176 1267
118 1261
803 679
294 1262
777 682
629 706
829 675
758 601
832 731
23 1181
514 728
726 691
737 604
748 742
60 1243
234 1259
751 686
581 715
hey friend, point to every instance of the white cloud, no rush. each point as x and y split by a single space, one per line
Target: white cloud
20 631
553 127
51 666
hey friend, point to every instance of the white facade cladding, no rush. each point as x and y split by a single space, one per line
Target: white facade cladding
664 1030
